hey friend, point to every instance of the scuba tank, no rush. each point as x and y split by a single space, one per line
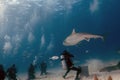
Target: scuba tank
63 62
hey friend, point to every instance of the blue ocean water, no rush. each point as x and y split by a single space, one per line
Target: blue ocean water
38 28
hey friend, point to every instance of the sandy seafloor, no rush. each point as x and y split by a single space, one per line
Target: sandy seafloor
56 74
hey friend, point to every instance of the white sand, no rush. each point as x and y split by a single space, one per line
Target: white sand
56 74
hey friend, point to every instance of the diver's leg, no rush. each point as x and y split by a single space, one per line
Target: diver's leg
41 72
44 71
78 71
9 78
68 70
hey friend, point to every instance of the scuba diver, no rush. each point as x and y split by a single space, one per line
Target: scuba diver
11 72
68 64
2 72
31 72
43 67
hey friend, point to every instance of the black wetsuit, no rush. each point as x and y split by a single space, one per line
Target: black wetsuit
2 73
31 72
70 65
43 67
11 73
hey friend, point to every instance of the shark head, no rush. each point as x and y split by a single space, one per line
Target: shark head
72 39
66 43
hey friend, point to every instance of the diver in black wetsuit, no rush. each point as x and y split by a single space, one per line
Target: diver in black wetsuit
11 73
31 72
2 72
70 65
43 67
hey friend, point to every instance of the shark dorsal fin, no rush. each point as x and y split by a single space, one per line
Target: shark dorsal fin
73 32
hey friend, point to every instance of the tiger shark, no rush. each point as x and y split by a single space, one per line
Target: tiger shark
75 38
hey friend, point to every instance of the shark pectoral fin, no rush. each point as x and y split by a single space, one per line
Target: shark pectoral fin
87 39
103 38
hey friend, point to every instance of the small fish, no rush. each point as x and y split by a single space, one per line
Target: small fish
54 58
76 38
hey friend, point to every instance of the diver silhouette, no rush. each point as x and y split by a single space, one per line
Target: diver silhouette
69 64
31 72
43 67
11 72
2 72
